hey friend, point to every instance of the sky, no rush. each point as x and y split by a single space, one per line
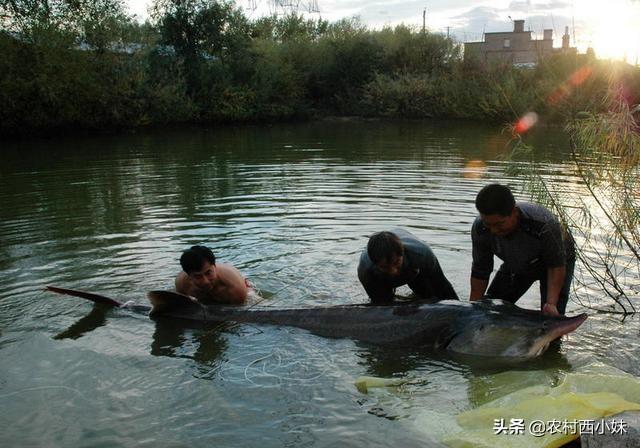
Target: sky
611 27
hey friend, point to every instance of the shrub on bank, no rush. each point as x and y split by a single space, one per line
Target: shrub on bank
183 68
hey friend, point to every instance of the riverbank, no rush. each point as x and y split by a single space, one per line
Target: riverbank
277 69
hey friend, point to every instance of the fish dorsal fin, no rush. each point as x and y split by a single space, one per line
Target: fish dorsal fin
163 301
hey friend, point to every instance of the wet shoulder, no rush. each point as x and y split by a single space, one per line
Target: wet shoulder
227 269
365 265
478 228
412 244
534 218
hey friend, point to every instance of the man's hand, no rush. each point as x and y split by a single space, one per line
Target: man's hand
550 309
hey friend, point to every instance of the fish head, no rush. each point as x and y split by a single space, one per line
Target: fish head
503 330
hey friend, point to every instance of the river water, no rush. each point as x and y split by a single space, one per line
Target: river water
291 206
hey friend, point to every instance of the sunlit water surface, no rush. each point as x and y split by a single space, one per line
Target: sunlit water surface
290 206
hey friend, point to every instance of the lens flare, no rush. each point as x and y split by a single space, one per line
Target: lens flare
580 75
526 122
564 90
474 169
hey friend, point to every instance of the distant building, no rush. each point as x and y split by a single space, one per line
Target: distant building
516 46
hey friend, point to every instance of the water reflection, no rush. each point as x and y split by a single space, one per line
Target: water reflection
490 379
386 362
201 341
95 319
204 342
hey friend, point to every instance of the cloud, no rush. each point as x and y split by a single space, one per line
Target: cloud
481 19
471 24
527 6
520 6
379 12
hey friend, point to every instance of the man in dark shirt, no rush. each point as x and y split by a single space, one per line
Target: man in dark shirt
398 258
531 243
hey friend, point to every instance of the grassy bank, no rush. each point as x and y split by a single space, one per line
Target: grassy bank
204 62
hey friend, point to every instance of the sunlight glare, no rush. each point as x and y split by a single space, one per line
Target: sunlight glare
614 31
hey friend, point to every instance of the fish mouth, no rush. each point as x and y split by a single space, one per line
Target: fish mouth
557 330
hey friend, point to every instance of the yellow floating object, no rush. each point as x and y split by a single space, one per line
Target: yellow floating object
364 383
583 396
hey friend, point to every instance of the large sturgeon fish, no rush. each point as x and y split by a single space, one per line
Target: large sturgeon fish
492 328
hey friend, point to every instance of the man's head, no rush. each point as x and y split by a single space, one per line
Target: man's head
497 208
386 251
199 263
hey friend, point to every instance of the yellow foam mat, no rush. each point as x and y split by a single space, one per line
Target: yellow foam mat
364 383
590 394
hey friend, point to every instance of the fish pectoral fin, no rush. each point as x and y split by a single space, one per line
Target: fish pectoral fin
162 301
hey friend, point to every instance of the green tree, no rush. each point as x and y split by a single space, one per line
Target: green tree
406 50
199 31
94 22
346 60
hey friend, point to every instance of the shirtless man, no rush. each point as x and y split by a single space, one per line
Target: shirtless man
209 282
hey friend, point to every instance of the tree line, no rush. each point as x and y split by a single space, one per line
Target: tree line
85 64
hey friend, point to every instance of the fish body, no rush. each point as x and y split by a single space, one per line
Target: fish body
492 328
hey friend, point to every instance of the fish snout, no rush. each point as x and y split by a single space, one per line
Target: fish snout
565 326
553 329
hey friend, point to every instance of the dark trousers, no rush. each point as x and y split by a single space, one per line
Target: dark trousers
511 287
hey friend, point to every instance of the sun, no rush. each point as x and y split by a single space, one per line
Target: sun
614 28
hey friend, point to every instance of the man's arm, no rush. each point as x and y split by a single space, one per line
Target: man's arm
482 264
478 288
378 292
234 290
182 283
553 256
555 280
442 288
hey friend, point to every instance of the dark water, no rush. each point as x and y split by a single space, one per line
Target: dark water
291 207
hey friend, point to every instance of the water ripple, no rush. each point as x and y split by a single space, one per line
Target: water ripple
291 207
